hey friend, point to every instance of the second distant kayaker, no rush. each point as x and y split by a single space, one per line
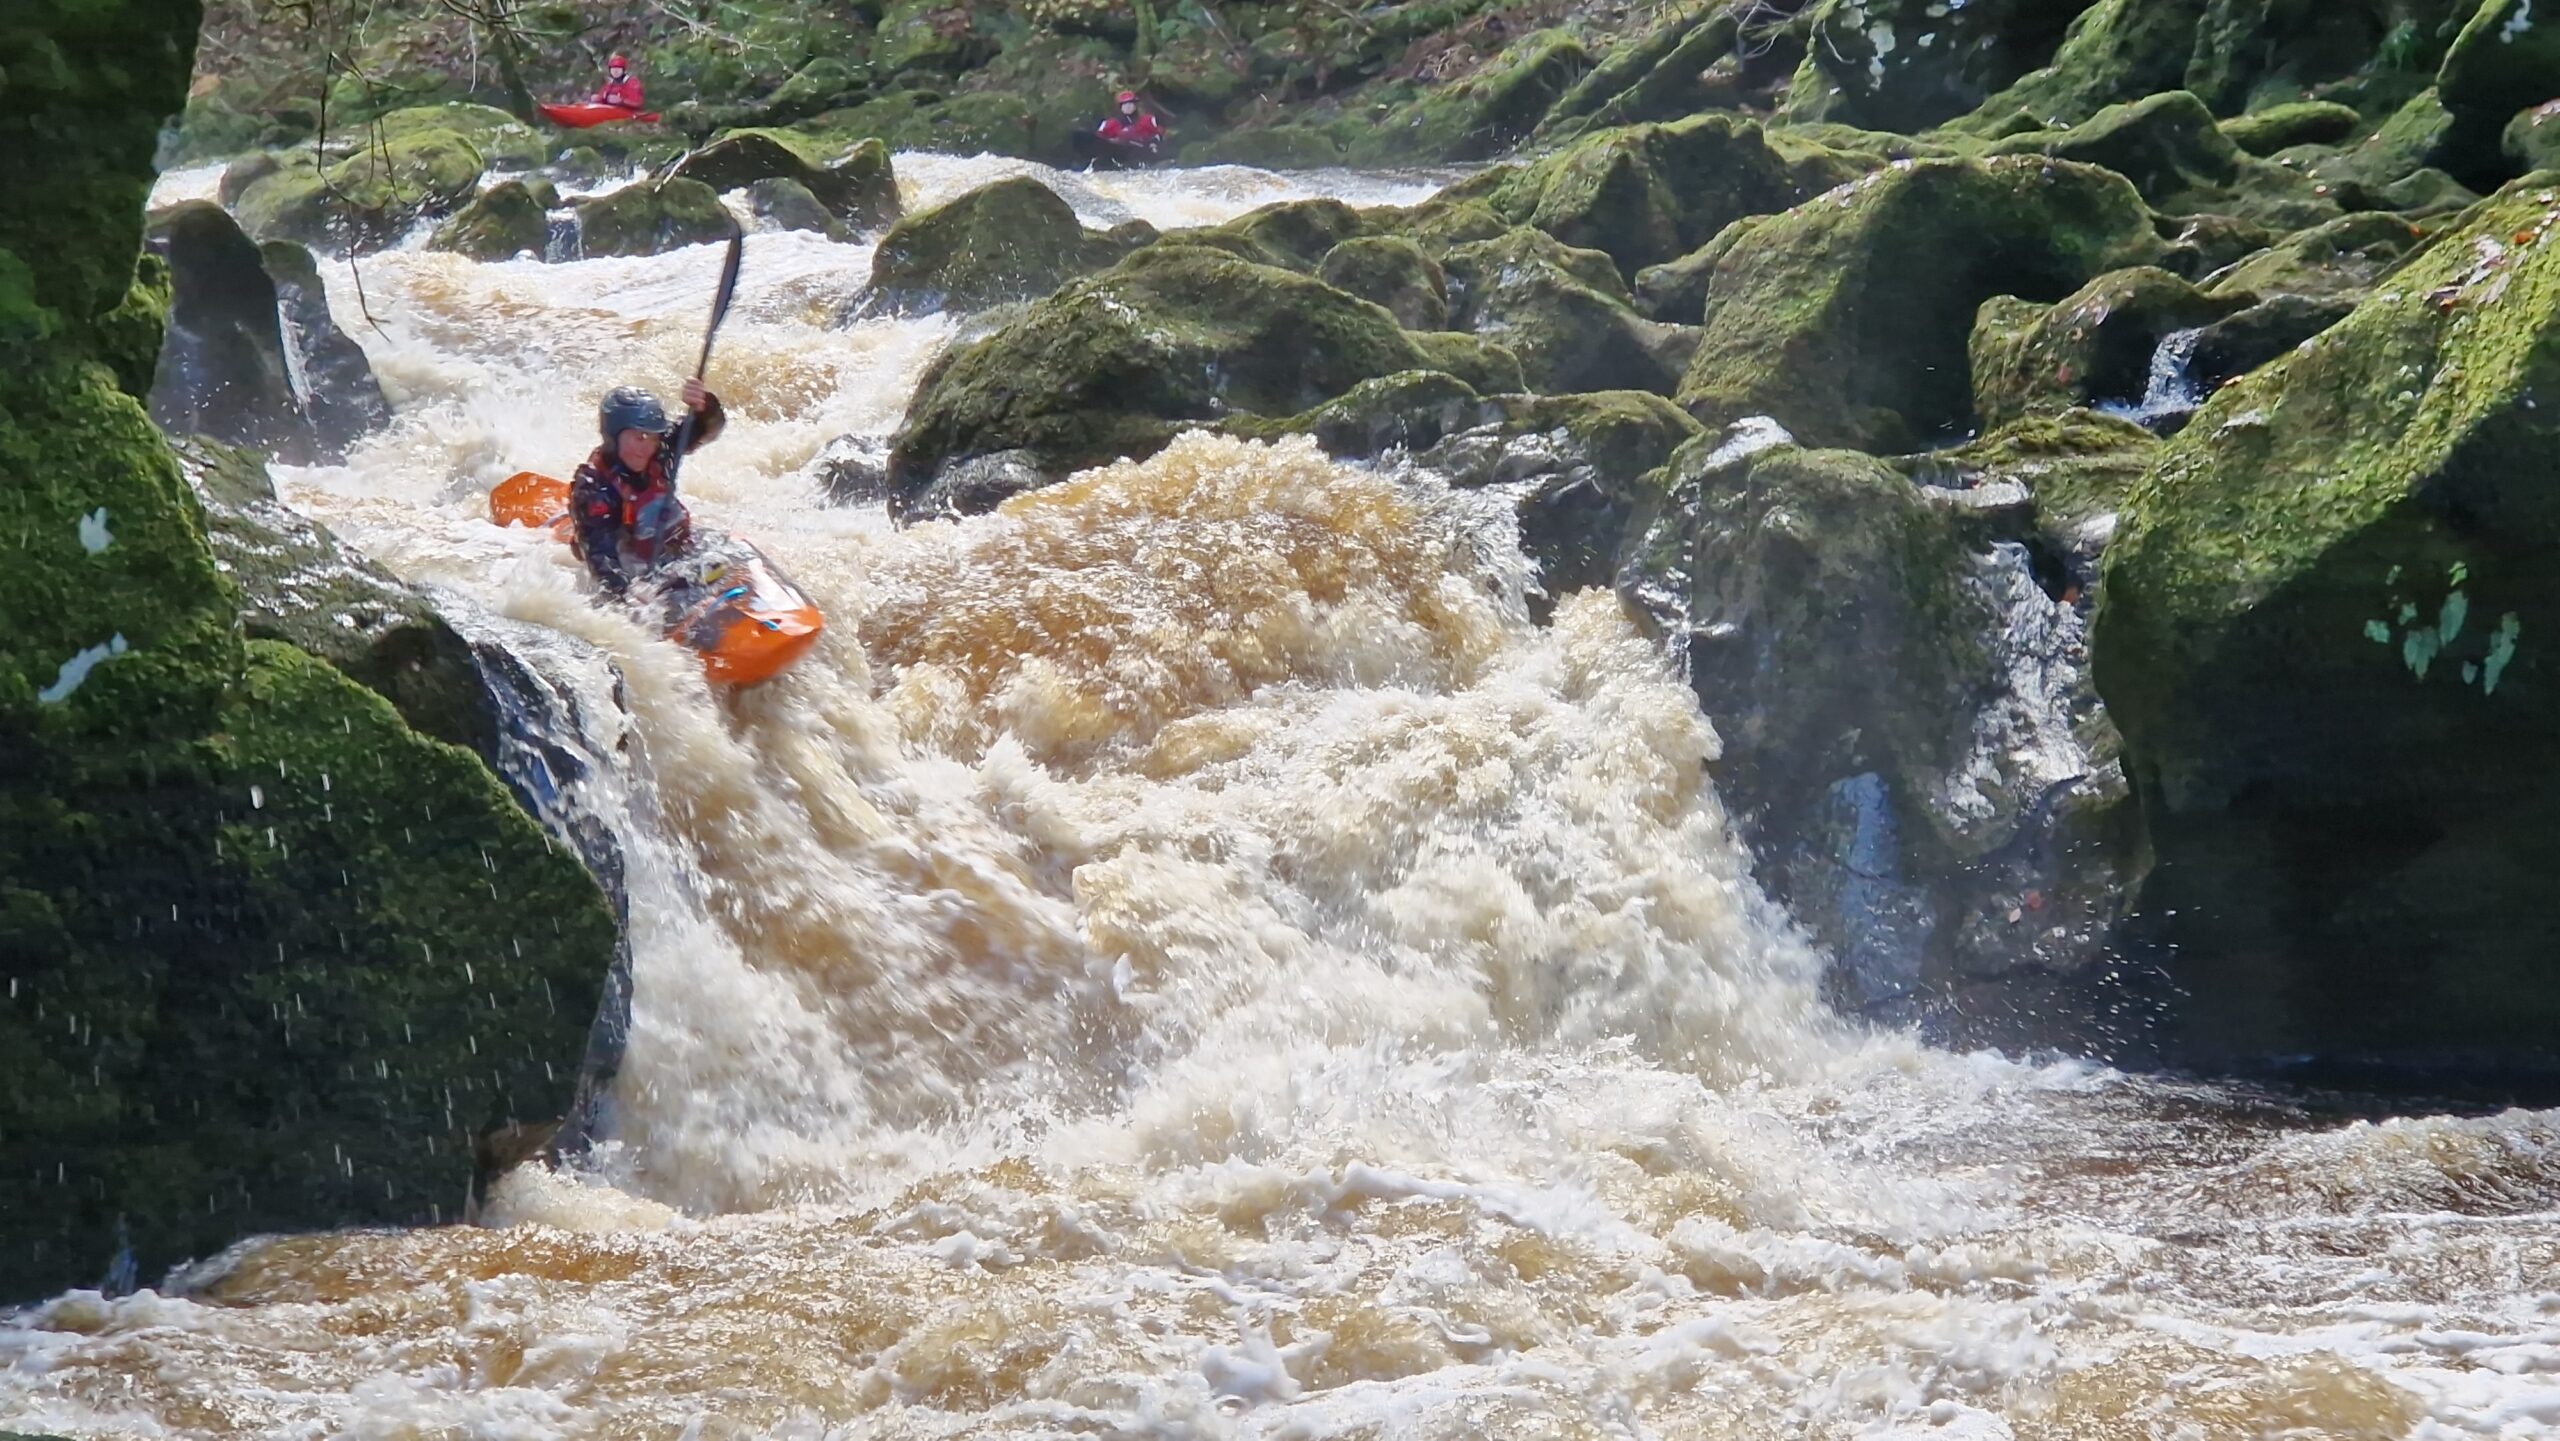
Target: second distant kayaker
621 88
623 502
1135 129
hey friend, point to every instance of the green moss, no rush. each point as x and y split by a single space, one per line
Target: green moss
2344 257
366 199
1481 115
1565 313
1846 319
2506 59
1297 233
2078 465
2116 51
1911 64
2302 122
1484 363
1411 409
1394 272
2532 139
858 189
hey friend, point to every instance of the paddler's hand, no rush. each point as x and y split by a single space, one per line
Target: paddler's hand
696 395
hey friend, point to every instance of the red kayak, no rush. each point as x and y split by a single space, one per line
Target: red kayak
579 117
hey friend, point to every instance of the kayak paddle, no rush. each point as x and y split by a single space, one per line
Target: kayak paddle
720 299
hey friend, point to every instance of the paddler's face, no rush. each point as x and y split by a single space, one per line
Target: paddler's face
615 71
1129 107
636 448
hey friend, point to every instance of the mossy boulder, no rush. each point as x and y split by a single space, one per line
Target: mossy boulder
2265 332
271 954
651 218
1846 319
1279 147
1011 240
1912 64
252 356
2506 59
2114 52
1648 193
1692 58
2318 632
2095 348
1859 643
1297 234
1565 314
2347 256
1392 271
2169 146
506 220
366 200
1117 363
2301 122
858 190
2073 469
501 141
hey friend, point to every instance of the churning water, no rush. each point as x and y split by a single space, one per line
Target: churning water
1187 957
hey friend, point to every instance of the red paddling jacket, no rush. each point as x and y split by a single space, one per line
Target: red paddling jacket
624 92
626 520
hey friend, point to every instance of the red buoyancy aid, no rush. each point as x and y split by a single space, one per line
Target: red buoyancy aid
624 92
1142 131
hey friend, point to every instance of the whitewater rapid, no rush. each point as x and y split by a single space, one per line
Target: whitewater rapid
1188 957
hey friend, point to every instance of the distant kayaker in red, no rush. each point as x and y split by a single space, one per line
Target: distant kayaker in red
623 502
1134 128
621 87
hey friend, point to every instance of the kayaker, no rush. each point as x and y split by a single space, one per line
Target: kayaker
621 88
623 501
1135 128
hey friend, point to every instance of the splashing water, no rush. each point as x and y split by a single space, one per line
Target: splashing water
1187 957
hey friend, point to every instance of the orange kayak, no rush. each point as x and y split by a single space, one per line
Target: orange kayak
587 113
723 598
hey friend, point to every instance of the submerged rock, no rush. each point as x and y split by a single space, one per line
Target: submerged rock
2318 633
1846 319
1011 240
251 355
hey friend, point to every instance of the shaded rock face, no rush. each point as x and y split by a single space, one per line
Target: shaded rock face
1012 240
2345 257
1846 319
1910 741
252 357
2317 632
274 959
502 222
1911 64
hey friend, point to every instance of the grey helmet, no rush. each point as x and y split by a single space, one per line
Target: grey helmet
627 407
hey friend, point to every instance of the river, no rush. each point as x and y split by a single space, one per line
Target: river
1188 957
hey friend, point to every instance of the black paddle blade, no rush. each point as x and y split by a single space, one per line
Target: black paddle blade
720 298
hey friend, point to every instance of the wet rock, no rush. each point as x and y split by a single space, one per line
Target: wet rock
1481 115
651 218
506 220
854 470
2095 348
2345 257
2302 122
1846 319
1910 744
788 205
1011 240
2318 633
973 486
251 355
2265 332
1565 314
1392 271
2073 471
2199 245
1115 364
1409 410
1577 468
414 163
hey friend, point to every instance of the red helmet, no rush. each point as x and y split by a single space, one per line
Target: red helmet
618 62
1127 97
